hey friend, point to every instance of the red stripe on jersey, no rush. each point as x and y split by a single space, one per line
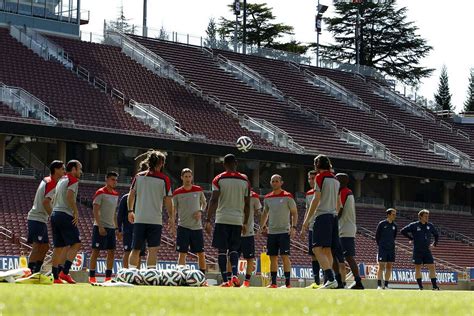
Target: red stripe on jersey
182 190
280 195
71 179
50 185
321 176
104 190
310 192
230 175
254 195
154 174
345 192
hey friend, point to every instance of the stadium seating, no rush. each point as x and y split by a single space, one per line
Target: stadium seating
194 114
293 84
5 110
68 97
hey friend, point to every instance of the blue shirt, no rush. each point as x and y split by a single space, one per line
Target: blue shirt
421 235
386 234
122 216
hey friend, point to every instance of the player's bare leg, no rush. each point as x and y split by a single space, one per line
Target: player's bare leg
182 258
93 265
202 261
125 258
152 257
380 272
355 272
248 272
418 276
134 259
286 269
388 273
109 264
324 256
432 271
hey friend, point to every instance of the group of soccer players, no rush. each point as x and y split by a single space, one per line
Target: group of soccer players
330 219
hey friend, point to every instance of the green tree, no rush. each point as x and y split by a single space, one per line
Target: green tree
211 34
443 96
122 23
387 41
163 34
469 104
261 29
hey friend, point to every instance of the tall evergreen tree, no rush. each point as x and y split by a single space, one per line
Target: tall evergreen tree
122 23
163 34
469 104
211 34
387 41
443 96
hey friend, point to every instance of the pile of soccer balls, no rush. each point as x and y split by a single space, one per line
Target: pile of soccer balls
180 276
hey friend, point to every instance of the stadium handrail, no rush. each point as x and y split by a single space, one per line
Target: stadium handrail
452 154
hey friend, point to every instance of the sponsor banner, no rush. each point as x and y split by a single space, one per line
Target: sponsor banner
79 261
408 275
118 264
13 262
297 272
471 274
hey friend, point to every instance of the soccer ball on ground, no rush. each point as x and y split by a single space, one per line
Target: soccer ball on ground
195 278
172 277
244 144
151 277
185 270
132 276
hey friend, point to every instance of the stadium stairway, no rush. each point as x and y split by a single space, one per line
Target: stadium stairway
293 83
195 66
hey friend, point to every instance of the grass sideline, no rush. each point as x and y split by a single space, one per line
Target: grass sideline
83 299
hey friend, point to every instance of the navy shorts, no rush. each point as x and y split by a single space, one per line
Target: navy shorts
189 240
326 231
65 233
423 257
278 244
247 247
385 255
106 242
348 246
227 237
310 243
37 232
146 235
127 239
337 251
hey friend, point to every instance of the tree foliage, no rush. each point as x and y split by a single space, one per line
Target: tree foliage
469 104
443 95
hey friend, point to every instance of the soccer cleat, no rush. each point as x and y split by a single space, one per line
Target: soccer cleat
387 288
272 286
235 281
246 284
285 286
59 281
380 288
108 279
340 285
329 285
226 284
436 288
67 278
357 286
92 280
313 286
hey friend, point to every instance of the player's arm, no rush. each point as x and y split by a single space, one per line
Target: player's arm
395 232
378 233
246 209
312 209
71 201
263 220
435 233
212 207
48 206
339 206
294 220
168 201
406 231
121 211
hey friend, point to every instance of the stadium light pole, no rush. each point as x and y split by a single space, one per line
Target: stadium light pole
318 27
145 28
236 29
244 29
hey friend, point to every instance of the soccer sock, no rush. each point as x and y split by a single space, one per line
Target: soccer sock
316 268
32 266
274 277
67 266
329 274
433 281
338 279
222 261
55 272
203 271
357 279
131 266
234 262
247 277
108 273
379 283
420 284
60 268
287 278
91 273
386 283
38 266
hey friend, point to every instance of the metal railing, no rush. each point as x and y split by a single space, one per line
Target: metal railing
369 145
26 104
336 90
452 154
357 69
452 208
156 119
249 76
53 50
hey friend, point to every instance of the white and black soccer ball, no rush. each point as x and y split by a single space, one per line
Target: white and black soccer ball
185 270
195 278
151 277
244 144
172 277
131 276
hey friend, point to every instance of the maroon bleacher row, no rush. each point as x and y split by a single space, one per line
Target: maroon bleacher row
15 205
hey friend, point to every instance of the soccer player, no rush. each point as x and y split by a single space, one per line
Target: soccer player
247 245
105 225
385 238
348 229
278 206
189 202
64 221
419 234
325 229
149 190
230 201
39 214
314 262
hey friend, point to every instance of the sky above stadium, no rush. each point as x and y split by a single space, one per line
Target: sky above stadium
446 27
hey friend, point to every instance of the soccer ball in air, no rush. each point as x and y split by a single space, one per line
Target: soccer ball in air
172 277
244 144
151 277
195 278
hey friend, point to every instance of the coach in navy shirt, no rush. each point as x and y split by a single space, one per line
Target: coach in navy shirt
420 234
385 238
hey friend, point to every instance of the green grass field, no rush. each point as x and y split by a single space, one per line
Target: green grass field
18 299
